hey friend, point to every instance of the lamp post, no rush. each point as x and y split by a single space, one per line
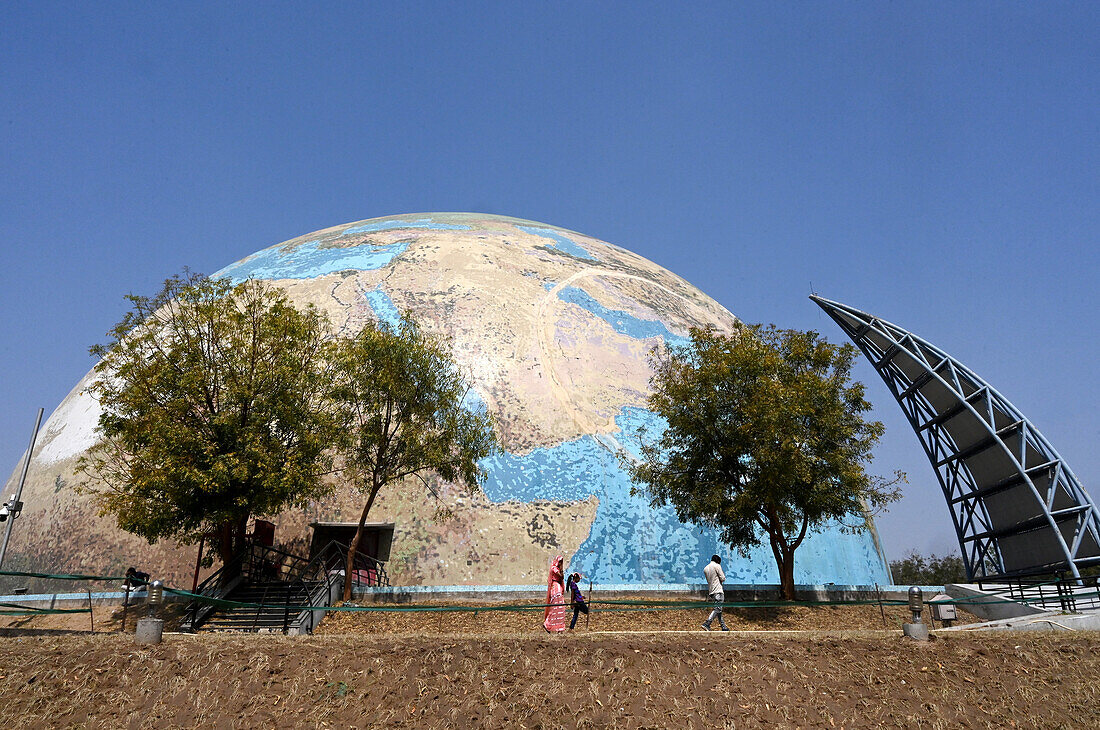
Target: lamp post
916 630
151 629
11 509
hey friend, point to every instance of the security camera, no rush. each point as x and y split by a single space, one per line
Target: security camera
11 508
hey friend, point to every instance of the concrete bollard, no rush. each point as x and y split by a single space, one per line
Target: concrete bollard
917 630
149 631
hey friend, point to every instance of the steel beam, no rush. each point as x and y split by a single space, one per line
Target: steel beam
982 549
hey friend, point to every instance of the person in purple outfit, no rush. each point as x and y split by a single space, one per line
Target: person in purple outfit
576 598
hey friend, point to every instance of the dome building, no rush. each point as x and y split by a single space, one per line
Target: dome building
552 330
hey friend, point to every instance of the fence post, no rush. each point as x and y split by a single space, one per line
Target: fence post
125 605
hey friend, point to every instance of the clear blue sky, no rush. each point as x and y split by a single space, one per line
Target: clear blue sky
936 165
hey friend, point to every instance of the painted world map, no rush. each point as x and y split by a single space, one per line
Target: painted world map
552 330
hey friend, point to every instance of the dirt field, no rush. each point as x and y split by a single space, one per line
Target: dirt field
824 666
835 668
491 621
604 618
671 680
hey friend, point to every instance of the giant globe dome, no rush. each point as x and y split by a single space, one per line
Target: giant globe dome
552 330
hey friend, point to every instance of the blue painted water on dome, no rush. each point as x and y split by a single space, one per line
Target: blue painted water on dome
473 402
390 225
563 244
309 260
547 473
623 322
631 542
549 286
383 307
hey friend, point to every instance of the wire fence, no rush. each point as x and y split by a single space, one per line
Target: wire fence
634 604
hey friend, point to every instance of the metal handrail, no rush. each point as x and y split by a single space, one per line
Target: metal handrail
1060 590
307 575
301 576
364 563
213 581
292 585
263 600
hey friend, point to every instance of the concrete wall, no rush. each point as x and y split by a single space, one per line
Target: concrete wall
671 591
489 594
989 606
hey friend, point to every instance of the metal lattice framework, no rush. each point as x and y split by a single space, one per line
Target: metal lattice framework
1017 507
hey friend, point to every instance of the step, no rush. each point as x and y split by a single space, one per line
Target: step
269 615
248 622
246 625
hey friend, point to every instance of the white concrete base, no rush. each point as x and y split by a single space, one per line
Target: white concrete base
918 632
1087 621
149 631
988 606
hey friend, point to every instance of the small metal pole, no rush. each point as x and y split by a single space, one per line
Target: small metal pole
125 605
878 593
198 564
916 603
588 615
915 630
22 480
155 597
91 619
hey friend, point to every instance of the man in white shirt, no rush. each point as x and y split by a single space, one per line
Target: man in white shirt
715 577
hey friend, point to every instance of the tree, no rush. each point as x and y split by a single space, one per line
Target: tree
405 415
917 570
765 438
215 409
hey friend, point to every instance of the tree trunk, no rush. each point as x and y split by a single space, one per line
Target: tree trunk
354 547
231 540
225 542
783 551
786 576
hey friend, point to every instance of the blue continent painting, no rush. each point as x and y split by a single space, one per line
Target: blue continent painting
309 260
392 225
631 542
561 242
622 322
383 307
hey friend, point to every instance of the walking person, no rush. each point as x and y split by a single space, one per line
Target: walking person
554 616
715 577
576 598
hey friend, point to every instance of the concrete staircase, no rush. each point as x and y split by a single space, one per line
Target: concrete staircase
270 616
284 593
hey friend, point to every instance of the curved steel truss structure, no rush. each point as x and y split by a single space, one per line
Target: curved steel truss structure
1017 507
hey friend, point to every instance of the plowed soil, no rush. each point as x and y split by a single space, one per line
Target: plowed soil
417 676
501 617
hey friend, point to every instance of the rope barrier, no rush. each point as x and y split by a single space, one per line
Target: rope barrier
609 604
34 611
62 576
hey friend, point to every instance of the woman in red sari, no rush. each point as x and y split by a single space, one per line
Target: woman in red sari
554 618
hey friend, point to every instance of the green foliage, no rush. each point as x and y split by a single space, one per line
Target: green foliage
404 415
335 690
918 570
765 438
214 409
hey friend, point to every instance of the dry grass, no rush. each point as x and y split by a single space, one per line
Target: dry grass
797 618
493 668
527 680
103 619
